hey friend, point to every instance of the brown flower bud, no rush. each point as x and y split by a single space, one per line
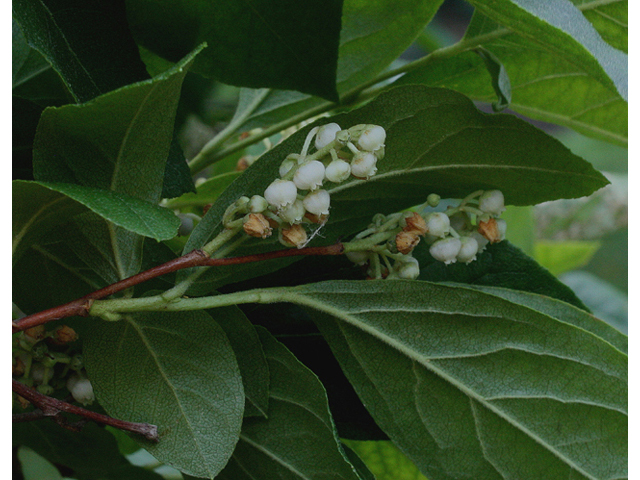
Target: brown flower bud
320 219
35 333
490 230
17 367
294 236
242 164
406 241
415 224
256 225
206 208
63 335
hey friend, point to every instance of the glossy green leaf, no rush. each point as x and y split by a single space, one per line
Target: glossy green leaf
373 34
40 206
250 356
385 460
545 86
289 46
471 385
176 371
87 42
560 27
206 193
298 440
437 142
26 62
561 257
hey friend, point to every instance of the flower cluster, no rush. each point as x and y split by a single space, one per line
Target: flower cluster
298 197
41 359
456 235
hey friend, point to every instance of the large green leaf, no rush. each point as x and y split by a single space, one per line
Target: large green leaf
37 207
298 441
560 27
385 460
544 85
88 42
373 34
469 384
290 46
437 142
176 371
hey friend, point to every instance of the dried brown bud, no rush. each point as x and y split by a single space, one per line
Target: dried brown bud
35 333
242 164
295 236
17 368
406 241
415 224
320 219
206 208
244 135
63 335
24 403
256 225
490 230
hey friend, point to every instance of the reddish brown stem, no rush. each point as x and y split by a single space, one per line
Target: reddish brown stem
196 258
52 407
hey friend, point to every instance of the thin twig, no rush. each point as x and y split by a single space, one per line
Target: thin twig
52 407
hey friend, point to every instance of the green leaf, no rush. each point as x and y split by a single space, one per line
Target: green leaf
290 46
373 35
561 257
88 43
385 460
38 207
560 27
610 19
472 385
501 265
250 356
499 78
437 142
298 440
34 467
206 193
176 371
540 80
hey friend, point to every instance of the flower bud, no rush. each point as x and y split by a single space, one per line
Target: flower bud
64 334
408 269
317 202
294 236
433 200
438 224
406 241
34 334
256 225
81 389
460 221
309 176
281 193
493 229
363 165
40 373
337 171
293 213
286 166
326 134
372 138
414 224
186 224
359 258
258 204
468 249
446 250
492 202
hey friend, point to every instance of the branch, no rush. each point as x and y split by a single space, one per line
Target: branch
196 258
52 407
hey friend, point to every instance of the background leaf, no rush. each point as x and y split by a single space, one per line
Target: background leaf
289 47
186 361
539 78
298 440
386 461
561 257
437 142
470 384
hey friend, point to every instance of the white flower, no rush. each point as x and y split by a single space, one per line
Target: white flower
438 224
81 389
326 134
446 250
492 202
258 204
281 193
337 171
292 213
40 373
409 268
502 228
309 176
317 202
372 138
363 165
480 240
286 166
468 250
